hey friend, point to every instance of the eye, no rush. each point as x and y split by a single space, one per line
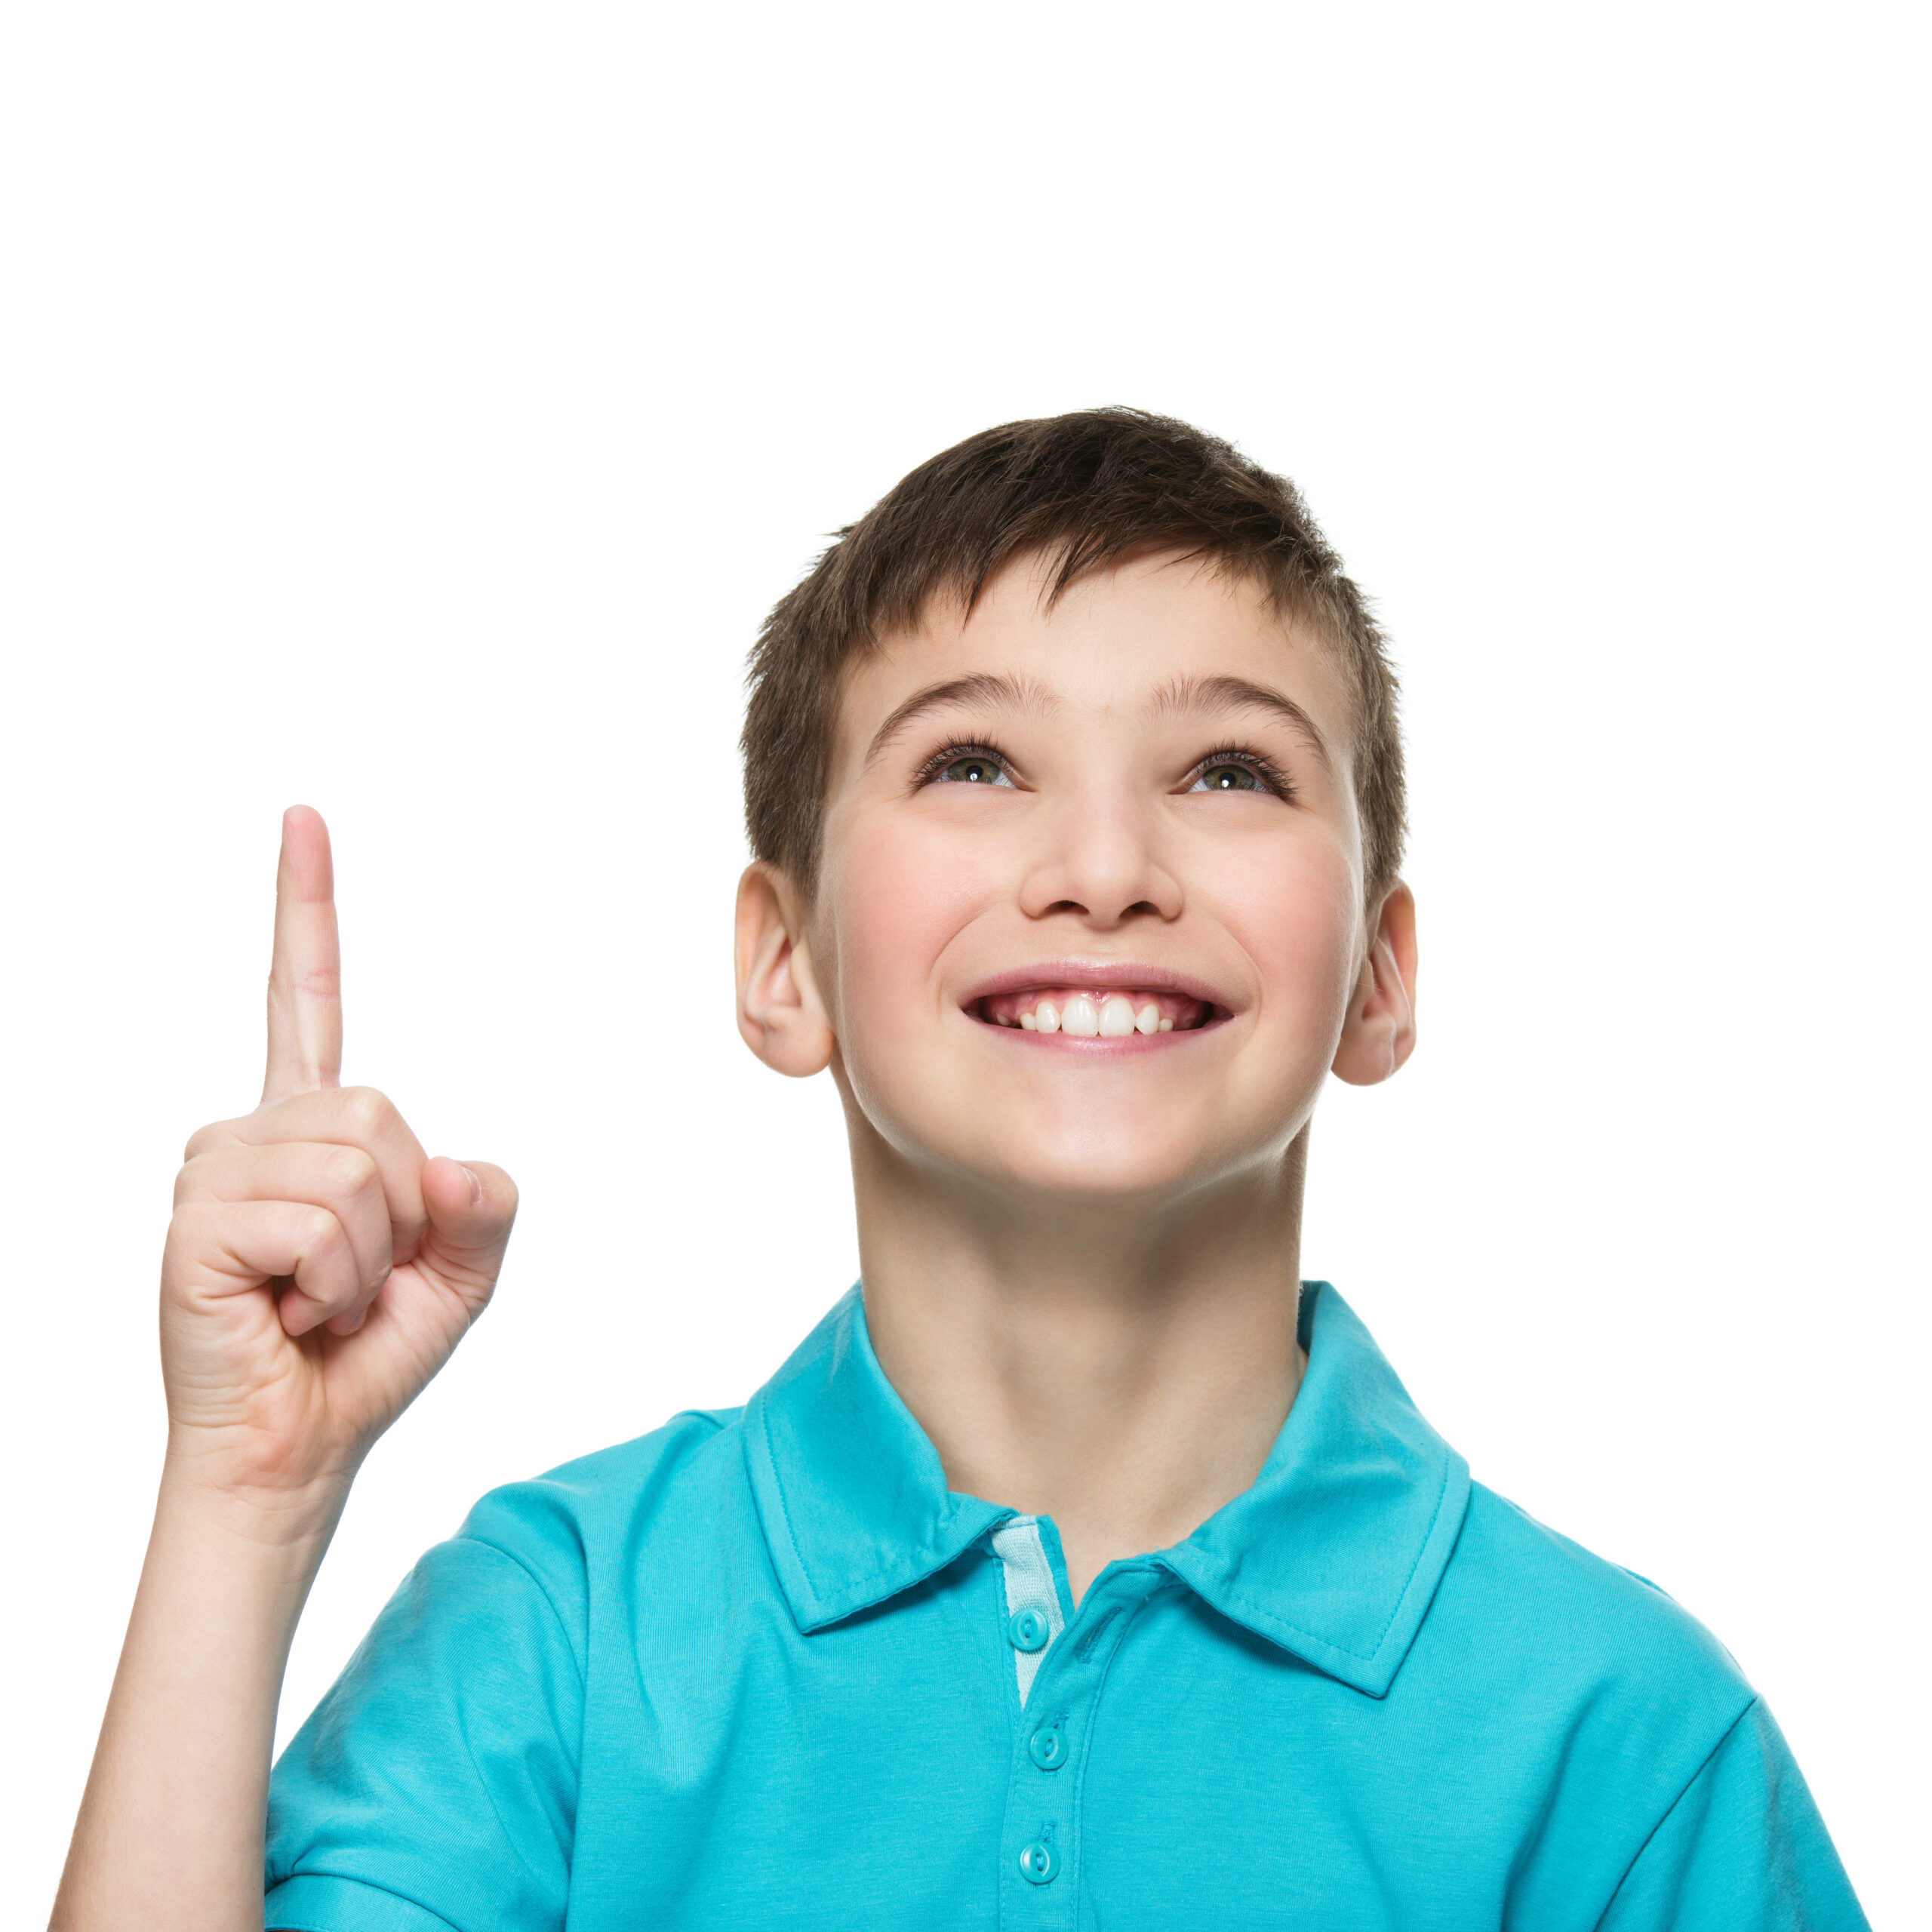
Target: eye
968 765
1234 769
975 771
1225 777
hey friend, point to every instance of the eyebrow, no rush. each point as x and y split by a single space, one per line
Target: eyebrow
986 688
1223 694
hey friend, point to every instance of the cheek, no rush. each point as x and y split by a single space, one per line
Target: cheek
894 903
1296 917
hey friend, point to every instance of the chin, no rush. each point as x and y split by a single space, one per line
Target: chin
1098 1165
1088 1145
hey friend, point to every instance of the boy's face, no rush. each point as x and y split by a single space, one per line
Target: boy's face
1090 920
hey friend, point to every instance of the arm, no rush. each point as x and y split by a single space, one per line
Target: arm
1742 1850
318 1270
171 1828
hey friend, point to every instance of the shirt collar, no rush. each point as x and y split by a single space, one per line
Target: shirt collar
849 1489
1333 1553
1336 1551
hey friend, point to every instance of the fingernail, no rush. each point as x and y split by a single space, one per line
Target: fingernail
476 1188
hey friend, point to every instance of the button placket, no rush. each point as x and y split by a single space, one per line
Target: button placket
1040 1850
1034 1614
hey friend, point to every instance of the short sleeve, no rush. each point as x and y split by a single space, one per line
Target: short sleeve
435 1785
1742 1849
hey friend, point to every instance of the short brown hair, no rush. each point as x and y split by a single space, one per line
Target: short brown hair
1085 489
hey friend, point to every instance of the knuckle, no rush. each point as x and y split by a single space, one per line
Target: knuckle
318 1233
188 1217
351 1170
369 1112
188 1234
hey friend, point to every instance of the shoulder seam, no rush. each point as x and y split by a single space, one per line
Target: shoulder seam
549 1602
1664 1817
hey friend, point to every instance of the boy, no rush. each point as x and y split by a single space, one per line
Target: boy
1086 1569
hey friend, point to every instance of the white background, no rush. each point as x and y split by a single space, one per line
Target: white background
412 410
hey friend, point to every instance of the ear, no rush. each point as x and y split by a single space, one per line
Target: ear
779 1012
1380 1033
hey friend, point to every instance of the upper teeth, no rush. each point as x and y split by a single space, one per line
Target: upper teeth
1114 1019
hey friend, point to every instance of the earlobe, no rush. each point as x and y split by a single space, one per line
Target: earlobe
1379 1032
780 1015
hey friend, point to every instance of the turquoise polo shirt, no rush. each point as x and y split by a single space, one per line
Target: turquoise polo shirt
762 1668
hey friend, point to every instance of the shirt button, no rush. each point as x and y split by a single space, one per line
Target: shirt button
1048 1747
1038 1863
1027 1630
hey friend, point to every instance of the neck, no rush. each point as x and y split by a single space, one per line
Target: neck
1123 1368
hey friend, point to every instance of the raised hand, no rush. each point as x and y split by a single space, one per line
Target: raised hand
319 1268
319 1271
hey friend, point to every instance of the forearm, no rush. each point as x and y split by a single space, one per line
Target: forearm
170 1832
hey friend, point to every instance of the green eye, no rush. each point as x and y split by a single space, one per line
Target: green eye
1226 777
977 769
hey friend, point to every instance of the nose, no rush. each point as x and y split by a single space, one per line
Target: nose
1099 864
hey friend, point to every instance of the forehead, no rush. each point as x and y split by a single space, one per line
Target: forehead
1118 640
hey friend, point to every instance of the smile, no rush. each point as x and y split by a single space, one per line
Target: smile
1112 1012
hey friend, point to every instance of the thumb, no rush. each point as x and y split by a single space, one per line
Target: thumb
471 1206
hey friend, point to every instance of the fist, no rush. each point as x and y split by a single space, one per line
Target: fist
319 1267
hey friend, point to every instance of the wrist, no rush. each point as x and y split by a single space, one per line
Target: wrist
209 1493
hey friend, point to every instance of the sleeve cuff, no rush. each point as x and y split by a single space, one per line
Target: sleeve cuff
312 1902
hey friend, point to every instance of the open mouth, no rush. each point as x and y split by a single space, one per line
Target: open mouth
1104 1013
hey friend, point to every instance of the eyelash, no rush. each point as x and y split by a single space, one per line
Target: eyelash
928 773
1264 767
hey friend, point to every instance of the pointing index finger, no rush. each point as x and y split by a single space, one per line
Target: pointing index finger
305 975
